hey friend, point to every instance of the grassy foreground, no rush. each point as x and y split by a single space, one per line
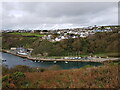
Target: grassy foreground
105 76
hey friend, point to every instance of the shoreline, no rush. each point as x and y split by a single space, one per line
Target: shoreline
100 60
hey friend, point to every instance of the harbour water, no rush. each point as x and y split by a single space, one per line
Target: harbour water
12 61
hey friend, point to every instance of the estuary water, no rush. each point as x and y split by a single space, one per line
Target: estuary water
12 61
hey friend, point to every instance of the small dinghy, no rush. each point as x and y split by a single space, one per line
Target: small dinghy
66 62
55 61
4 60
24 60
35 61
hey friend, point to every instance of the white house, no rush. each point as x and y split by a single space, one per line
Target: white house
75 37
57 39
82 34
62 37
13 48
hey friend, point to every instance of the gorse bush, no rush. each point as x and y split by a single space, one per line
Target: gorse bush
16 79
17 75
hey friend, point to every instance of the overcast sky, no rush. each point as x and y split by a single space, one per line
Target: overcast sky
54 15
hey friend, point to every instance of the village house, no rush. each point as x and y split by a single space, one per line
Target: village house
13 48
57 39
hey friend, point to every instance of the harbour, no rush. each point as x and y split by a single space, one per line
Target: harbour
12 60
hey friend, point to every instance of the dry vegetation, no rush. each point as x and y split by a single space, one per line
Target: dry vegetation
105 76
94 77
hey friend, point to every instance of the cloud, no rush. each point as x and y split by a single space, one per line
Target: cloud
34 15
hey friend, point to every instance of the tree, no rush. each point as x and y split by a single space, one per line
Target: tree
44 47
77 46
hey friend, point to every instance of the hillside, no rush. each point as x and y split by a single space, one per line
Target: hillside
105 76
105 42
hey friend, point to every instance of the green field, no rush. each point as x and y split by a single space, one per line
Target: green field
28 34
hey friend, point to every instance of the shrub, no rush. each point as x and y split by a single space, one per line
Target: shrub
5 78
5 70
20 68
86 66
42 70
18 78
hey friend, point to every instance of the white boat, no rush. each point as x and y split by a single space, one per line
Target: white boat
22 53
66 62
54 61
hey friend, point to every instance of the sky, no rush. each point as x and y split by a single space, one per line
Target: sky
58 15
